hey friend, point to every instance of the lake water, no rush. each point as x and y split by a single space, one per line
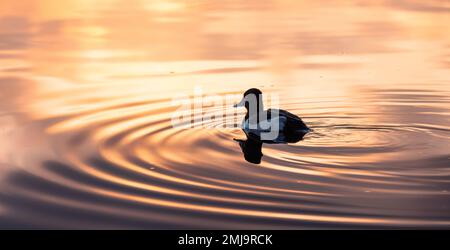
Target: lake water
86 91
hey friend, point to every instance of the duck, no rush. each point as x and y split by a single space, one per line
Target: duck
271 125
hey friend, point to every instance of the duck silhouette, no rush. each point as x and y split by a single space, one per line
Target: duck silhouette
258 122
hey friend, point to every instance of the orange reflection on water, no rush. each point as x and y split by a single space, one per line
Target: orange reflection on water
85 113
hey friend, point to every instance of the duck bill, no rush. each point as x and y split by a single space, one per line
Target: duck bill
240 104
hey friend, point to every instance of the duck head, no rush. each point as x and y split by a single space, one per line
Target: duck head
252 101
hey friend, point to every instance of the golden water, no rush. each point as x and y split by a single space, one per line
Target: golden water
85 106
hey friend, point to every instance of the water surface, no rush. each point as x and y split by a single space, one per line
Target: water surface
85 114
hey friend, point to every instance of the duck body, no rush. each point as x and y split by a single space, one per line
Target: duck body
291 128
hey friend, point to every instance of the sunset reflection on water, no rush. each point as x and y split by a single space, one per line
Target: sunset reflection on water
86 92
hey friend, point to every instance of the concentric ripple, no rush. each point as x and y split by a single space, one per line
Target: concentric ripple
126 166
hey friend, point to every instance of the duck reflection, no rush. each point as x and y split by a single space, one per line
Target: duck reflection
252 149
252 146
290 128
